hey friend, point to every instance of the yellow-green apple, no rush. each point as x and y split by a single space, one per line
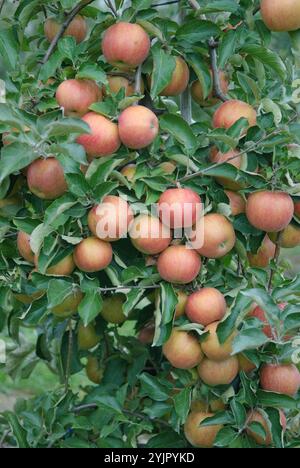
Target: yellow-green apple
112 310
201 436
214 373
182 350
69 305
198 95
290 237
87 337
93 370
212 347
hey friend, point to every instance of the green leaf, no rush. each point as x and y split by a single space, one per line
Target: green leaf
197 31
163 67
203 73
17 429
67 47
150 386
91 306
9 47
225 437
267 57
66 126
227 47
182 401
250 338
15 157
92 72
139 5
180 130
220 5
58 290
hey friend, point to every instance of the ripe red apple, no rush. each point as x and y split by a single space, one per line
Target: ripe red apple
212 347
87 337
290 237
46 179
237 202
215 373
125 45
77 28
129 172
110 219
69 305
149 235
245 364
138 127
198 95
218 236
281 16
256 416
64 267
93 255
297 209
261 315
23 243
179 80
280 378
146 334
231 111
178 264
182 350
218 157
116 83
76 96
197 435
264 255
179 207
104 137
112 309
181 304
270 211
93 370
206 306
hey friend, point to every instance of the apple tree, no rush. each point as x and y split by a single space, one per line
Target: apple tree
121 121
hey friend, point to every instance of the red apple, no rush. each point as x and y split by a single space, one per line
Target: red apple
93 255
149 235
261 315
178 264
77 28
281 16
256 416
215 373
205 306
179 207
201 436
179 80
231 111
76 96
23 243
46 179
116 83
183 350
104 138
280 378
297 209
264 255
212 347
270 211
237 202
138 127
125 45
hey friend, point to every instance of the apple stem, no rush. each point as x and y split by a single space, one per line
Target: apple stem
63 28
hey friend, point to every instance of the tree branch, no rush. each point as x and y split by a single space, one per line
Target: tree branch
69 356
64 26
171 2
217 89
124 287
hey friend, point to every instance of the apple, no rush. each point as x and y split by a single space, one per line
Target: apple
46 179
23 244
77 28
212 347
218 236
93 255
281 16
245 364
231 111
198 95
146 334
270 211
125 45
181 304
64 267
179 207
197 435
149 235
264 255
87 337
168 167
214 373
280 378
93 370
116 83
138 127
297 209
261 315
219 158
182 350
110 219
205 306
237 202
179 264
112 309
76 96
69 305
256 416
129 172
290 237
104 138
179 80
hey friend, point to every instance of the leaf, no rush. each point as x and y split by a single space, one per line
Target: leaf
225 437
220 5
163 67
17 429
141 4
196 31
150 386
15 157
66 126
203 73
267 57
67 47
251 338
227 47
9 48
180 130
58 290
182 401
92 72
90 307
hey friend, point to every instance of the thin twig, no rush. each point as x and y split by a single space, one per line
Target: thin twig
1 5
250 148
124 287
172 2
217 89
69 356
276 258
110 5
64 26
